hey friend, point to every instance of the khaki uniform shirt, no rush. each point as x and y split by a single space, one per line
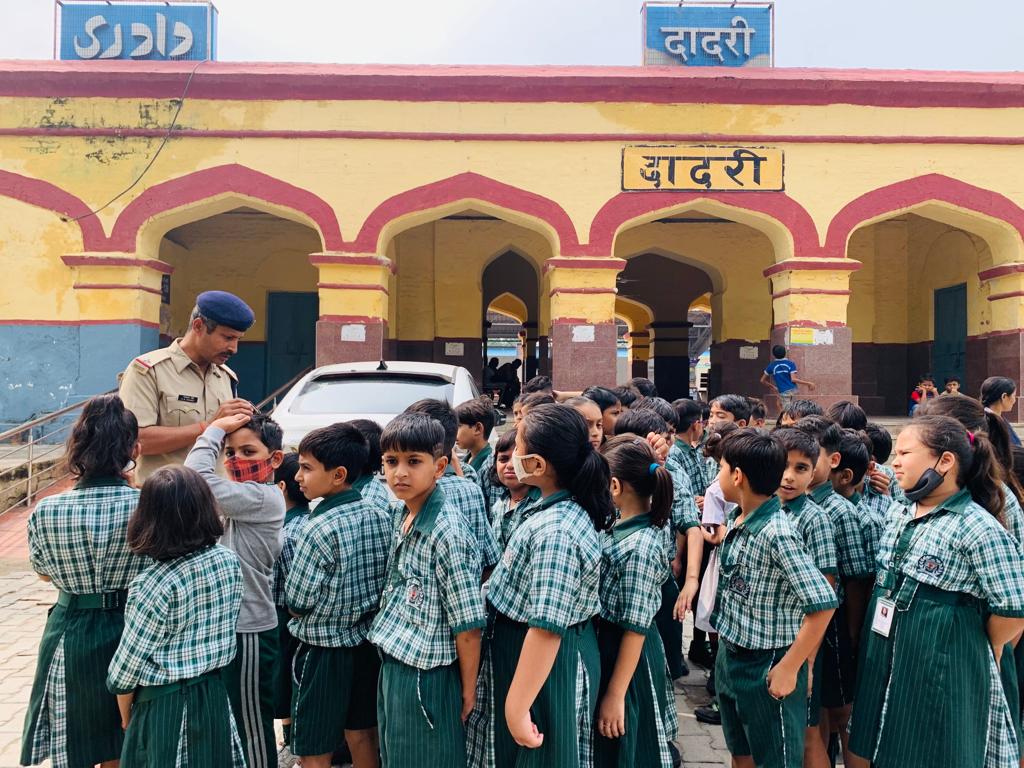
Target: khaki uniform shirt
165 388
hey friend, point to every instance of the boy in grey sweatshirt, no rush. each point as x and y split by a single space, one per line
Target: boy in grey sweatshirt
253 512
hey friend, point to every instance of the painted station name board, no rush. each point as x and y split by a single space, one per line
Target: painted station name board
142 31
702 168
709 34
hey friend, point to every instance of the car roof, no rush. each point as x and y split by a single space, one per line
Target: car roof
394 366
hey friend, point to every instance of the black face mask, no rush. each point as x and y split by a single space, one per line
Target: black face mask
930 480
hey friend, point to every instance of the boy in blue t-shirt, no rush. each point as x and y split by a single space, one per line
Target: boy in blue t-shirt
780 375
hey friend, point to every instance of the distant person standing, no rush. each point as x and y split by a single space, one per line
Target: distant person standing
176 391
781 376
508 374
999 395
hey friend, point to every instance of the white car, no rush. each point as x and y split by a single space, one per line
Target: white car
347 391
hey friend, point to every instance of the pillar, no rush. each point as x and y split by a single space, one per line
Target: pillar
640 353
353 289
671 354
583 333
809 301
531 363
1000 352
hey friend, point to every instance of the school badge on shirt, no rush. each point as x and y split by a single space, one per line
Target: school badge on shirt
413 592
931 565
739 585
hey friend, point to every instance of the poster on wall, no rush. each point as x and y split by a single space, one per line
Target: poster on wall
709 34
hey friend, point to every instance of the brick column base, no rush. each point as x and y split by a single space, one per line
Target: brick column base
828 366
583 354
349 340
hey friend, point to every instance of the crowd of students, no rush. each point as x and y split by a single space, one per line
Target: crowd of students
523 605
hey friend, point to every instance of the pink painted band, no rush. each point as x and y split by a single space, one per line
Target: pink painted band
116 287
365 320
117 261
353 287
799 265
1007 295
582 291
579 262
809 292
808 324
1000 271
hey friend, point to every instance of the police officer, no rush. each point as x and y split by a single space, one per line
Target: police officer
175 391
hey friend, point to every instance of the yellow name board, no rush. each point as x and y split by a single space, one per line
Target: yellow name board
701 168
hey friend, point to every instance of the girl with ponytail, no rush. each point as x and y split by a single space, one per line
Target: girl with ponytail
78 542
948 597
543 595
631 713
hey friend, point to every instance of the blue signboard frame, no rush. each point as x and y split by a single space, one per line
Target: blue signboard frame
709 34
140 30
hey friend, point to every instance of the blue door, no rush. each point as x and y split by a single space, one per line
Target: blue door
949 351
291 336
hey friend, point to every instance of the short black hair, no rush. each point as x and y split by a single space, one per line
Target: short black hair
640 421
644 386
371 431
737 405
760 457
338 445
478 411
926 377
603 396
800 408
444 414
715 435
538 384
103 438
286 474
757 409
176 515
660 406
414 432
266 429
950 380
533 399
854 453
828 434
794 439
627 396
688 413
506 442
848 415
778 351
881 441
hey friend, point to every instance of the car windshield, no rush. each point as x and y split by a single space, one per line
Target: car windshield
369 393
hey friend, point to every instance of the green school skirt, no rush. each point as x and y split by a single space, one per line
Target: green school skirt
286 645
419 716
1009 675
644 744
72 717
188 723
250 682
929 694
814 696
753 722
563 710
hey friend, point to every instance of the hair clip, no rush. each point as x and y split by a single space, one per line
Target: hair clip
970 437
653 468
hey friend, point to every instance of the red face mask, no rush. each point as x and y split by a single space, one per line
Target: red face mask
243 470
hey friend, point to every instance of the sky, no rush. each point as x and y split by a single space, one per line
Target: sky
885 34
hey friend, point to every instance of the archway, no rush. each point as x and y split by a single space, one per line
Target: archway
510 287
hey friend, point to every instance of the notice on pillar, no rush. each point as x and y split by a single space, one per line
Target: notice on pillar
454 349
723 169
811 336
353 332
583 333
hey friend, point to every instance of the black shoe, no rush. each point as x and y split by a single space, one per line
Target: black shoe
700 654
677 759
709 714
684 669
710 684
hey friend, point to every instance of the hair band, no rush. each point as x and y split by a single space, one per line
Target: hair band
970 437
653 468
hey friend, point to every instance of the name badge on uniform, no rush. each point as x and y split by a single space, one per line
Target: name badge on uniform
188 399
885 612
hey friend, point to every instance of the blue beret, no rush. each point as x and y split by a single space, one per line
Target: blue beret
226 309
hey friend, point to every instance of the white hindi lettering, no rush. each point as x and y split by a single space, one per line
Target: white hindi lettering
682 40
183 37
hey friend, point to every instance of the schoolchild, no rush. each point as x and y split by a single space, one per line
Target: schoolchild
951 386
544 594
644 386
609 403
517 410
627 396
856 571
591 413
507 510
949 590
880 488
431 610
532 400
818 534
179 631
730 408
847 478
371 485
77 542
630 719
464 492
476 422
780 375
796 411
758 412
771 613
296 514
541 384
848 415
332 591
686 447
254 510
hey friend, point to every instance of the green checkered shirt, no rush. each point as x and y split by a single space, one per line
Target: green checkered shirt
180 620
767 582
548 577
685 514
958 547
375 493
338 573
483 464
852 550
432 587
817 531
1014 516
465 495
505 517
694 463
633 568
78 538
294 519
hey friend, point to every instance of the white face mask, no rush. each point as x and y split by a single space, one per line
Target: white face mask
522 474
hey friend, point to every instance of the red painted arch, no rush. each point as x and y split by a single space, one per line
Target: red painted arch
43 194
466 186
933 187
630 205
211 182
